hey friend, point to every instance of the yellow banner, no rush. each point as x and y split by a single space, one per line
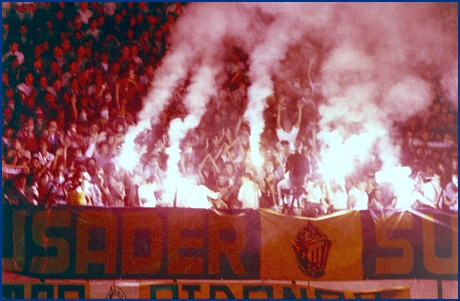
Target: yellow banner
308 249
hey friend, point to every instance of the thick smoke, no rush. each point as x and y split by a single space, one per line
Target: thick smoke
376 74
373 64
201 89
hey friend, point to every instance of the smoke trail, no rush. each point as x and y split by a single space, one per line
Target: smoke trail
173 69
375 76
285 26
201 89
371 61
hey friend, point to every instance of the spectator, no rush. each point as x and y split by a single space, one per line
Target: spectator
144 44
81 58
112 77
97 88
146 79
40 121
109 8
54 189
18 154
159 42
272 174
45 158
43 88
93 186
376 199
450 194
285 130
73 71
7 140
14 51
93 30
357 196
228 194
103 65
75 192
6 37
27 134
59 21
51 34
85 77
25 41
17 195
7 117
134 56
54 136
115 186
297 167
55 71
26 89
249 193
125 58
315 204
336 195
85 13
59 56
118 26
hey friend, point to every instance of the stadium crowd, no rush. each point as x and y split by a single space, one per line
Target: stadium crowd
74 78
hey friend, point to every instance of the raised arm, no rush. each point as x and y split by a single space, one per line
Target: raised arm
299 115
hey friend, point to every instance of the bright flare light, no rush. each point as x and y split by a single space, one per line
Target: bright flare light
403 185
256 159
128 157
394 174
147 192
337 160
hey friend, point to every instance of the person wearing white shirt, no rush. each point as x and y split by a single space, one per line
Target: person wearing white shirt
14 50
45 158
249 193
93 31
336 195
316 196
134 55
285 130
85 13
357 196
450 194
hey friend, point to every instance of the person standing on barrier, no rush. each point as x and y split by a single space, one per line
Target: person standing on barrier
296 169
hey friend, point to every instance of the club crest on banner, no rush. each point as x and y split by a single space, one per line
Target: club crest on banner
311 248
115 293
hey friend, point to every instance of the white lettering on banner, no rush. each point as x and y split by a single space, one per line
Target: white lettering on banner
13 170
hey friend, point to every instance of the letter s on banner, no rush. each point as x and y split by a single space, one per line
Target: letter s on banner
43 220
387 236
439 265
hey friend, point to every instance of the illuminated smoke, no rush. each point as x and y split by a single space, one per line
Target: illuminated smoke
173 69
375 75
373 64
200 91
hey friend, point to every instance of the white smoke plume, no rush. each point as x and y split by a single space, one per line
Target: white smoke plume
375 64
376 74
200 91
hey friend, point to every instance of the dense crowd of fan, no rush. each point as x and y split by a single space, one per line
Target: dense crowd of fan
75 76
